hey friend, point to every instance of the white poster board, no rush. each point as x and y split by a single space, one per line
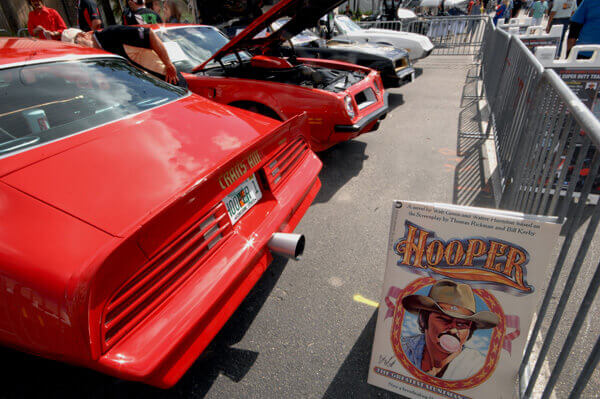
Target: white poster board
460 288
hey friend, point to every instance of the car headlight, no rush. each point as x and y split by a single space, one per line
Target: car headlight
349 107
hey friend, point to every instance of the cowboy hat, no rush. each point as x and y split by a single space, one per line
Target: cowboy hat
456 297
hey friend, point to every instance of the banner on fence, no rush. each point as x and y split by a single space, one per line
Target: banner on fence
459 293
532 43
585 84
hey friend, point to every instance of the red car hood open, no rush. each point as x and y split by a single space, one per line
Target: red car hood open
133 167
303 14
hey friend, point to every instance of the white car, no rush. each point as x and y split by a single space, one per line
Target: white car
418 46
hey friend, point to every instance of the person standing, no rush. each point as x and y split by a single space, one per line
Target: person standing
474 8
470 7
509 8
88 16
585 25
518 4
500 11
537 11
560 14
128 18
140 15
44 22
172 13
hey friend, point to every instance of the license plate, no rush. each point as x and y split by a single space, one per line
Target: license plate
242 199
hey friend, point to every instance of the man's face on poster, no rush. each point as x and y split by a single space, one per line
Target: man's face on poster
446 334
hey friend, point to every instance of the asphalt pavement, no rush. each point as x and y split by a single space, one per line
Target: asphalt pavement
306 329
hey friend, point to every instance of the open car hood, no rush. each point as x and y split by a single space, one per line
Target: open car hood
303 14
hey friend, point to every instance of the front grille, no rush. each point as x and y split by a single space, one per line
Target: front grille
401 64
153 284
285 162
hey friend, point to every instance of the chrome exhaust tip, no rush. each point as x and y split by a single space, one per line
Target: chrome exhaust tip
288 245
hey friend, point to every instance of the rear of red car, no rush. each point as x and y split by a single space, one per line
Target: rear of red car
136 216
150 321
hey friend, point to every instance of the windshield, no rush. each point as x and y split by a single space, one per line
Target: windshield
47 102
346 25
191 46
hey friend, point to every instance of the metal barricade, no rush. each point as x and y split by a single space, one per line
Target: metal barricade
493 61
521 23
519 77
547 141
552 157
453 35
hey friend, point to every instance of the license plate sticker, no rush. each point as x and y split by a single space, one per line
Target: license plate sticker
242 199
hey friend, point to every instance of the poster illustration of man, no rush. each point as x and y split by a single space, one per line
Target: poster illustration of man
447 319
459 290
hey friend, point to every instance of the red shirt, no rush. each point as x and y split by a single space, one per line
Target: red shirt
48 18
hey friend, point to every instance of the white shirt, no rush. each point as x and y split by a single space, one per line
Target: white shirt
564 8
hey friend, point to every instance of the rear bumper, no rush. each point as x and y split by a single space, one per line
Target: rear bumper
398 79
161 349
367 120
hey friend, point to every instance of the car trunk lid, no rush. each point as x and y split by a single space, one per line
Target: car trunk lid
138 166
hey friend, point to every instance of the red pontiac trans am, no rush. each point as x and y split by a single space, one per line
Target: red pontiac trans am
136 216
342 100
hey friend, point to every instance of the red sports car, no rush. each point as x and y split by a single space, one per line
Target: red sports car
342 100
136 216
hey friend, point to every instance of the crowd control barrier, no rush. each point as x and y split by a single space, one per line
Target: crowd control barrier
582 75
520 23
536 36
451 35
546 143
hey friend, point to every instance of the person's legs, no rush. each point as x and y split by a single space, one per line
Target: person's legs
565 23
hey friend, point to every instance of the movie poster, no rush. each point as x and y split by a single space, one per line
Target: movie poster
585 84
460 288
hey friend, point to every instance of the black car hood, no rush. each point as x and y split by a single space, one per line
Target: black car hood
303 14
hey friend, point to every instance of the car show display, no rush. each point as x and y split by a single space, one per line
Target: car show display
459 293
393 64
142 221
342 100
136 216
418 46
